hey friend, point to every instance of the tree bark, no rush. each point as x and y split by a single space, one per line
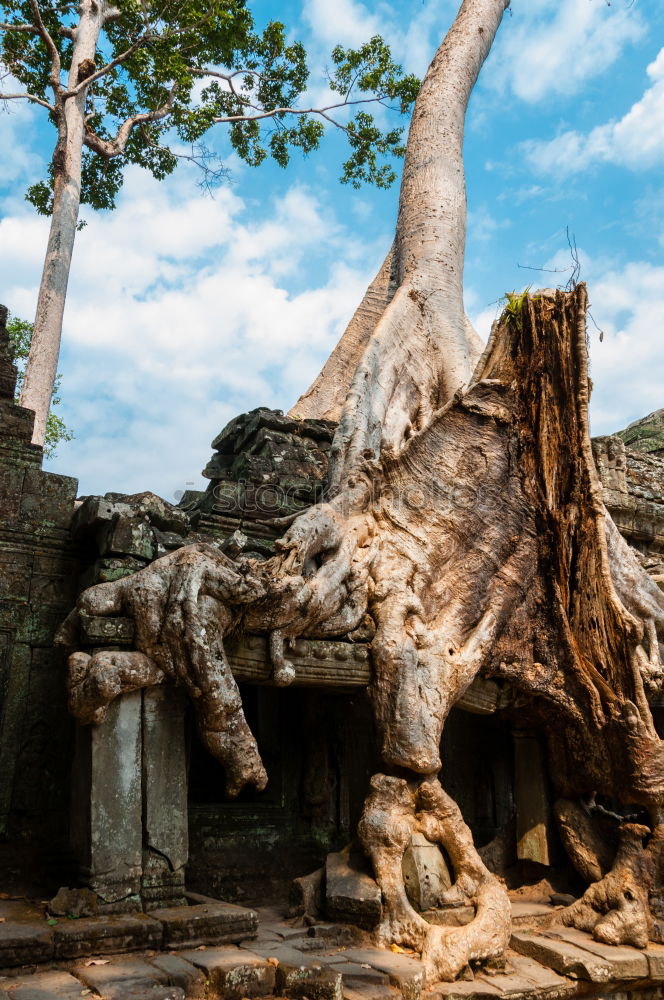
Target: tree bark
41 368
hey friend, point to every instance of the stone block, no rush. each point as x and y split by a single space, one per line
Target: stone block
48 499
540 976
165 811
306 894
118 977
351 894
15 573
206 923
310 982
369 991
234 972
180 972
425 872
54 984
128 536
563 957
107 802
25 943
625 962
105 935
407 974
655 955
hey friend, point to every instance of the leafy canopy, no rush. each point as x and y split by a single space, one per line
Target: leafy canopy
188 65
20 335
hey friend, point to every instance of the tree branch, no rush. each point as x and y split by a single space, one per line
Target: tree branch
27 28
109 66
274 112
50 45
27 97
110 148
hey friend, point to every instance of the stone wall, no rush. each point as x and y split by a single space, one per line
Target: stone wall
38 577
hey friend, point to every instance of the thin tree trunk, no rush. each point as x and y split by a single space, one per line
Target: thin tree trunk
41 368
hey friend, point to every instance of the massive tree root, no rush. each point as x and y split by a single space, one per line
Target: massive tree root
465 516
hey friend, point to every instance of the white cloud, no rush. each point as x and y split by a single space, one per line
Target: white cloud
177 319
635 141
627 367
344 22
551 47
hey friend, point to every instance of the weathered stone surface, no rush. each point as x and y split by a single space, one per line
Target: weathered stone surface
73 903
477 989
314 983
655 955
351 894
180 972
54 984
646 434
22 943
107 802
369 991
121 977
306 894
625 963
104 935
542 977
407 974
165 810
206 923
234 972
425 873
563 957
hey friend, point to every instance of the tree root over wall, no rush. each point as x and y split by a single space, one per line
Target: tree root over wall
482 546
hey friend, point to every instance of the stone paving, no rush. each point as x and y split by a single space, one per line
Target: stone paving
326 962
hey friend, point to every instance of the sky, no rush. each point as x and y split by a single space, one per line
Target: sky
185 309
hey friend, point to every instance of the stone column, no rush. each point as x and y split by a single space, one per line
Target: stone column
107 805
165 825
531 791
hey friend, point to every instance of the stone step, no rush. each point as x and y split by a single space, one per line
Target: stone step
54 985
562 956
27 938
625 963
234 972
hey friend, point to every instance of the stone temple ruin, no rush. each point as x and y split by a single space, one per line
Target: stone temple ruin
268 892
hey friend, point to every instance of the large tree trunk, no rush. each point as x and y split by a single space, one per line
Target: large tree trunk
466 518
41 369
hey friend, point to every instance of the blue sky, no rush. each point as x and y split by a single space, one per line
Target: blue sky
185 310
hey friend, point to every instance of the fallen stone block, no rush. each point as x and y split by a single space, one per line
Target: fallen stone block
234 972
102 935
306 894
351 894
562 957
206 923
